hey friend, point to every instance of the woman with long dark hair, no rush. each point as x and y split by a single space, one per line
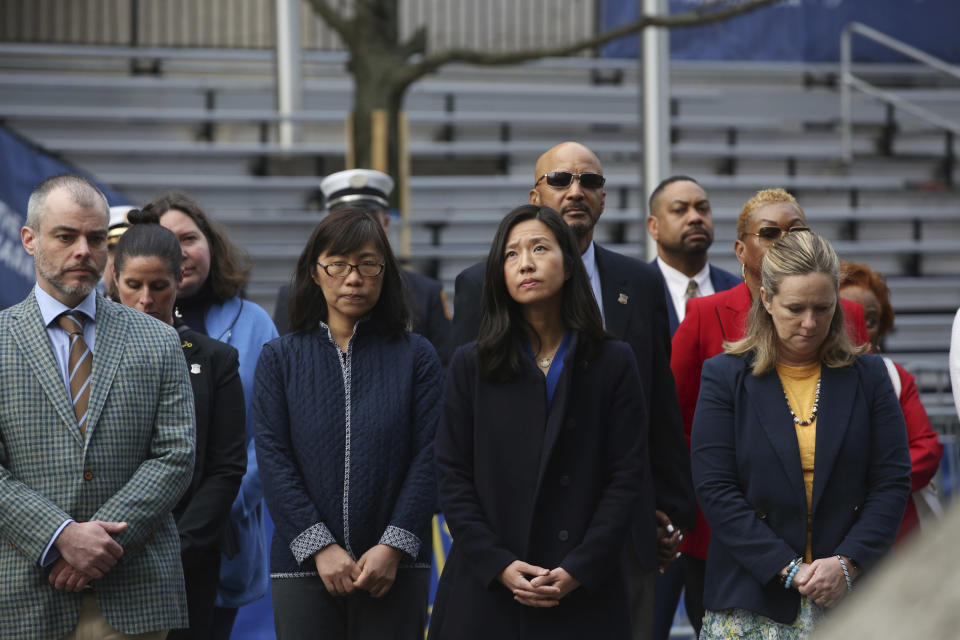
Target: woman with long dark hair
146 261
541 450
345 411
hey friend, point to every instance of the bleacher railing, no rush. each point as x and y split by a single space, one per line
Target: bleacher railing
849 82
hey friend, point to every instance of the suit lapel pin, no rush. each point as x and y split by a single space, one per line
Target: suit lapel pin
623 298
195 368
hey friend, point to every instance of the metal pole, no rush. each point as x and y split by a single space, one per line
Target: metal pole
656 105
846 105
289 95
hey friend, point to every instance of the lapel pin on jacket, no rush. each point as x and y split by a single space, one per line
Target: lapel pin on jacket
194 368
623 298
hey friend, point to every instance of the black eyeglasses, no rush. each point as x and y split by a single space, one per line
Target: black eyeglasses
343 269
562 179
774 233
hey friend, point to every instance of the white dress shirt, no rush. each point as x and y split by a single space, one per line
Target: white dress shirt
677 286
589 258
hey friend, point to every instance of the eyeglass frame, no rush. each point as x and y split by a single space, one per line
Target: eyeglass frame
603 179
326 267
779 235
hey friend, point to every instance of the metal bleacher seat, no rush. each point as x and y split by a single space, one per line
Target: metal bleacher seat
206 124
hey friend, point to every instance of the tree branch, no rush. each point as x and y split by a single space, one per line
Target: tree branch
332 17
704 14
416 44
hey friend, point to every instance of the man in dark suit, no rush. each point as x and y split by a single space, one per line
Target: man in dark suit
96 441
569 178
368 189
680 222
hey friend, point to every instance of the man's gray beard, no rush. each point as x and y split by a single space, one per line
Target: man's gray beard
56 280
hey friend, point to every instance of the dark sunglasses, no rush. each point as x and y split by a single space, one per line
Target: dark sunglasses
774 233
562 179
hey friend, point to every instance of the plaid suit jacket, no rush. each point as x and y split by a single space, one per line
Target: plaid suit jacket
134 466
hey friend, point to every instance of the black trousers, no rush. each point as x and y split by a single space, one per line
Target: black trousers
640 592
694 574
686 574
201 576
303 610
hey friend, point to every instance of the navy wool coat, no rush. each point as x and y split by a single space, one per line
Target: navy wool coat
345 444
747 473
555 488
635 311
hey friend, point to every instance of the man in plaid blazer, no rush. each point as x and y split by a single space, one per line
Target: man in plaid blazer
87 540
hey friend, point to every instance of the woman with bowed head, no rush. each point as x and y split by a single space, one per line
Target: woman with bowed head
541 452
799 454
712 320
146 266
860 283
346 409
213 275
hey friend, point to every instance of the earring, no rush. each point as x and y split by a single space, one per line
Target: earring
743 271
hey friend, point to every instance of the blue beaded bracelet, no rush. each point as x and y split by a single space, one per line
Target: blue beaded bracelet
793 572
793 564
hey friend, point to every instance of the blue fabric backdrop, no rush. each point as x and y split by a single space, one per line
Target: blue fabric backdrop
22 168
801 30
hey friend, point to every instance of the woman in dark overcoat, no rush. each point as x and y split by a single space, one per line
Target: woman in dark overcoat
541 451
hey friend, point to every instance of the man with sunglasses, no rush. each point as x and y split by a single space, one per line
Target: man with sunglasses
569 178
681 223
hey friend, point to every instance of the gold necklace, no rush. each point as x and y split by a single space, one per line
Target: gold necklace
544 362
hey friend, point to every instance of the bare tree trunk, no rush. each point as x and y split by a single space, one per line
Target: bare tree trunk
384 67
375 90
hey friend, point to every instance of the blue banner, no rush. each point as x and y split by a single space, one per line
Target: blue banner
22 168
801 30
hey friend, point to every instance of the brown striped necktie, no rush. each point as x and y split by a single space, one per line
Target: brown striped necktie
80 366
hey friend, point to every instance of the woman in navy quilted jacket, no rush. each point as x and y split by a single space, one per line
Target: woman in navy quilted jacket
345 410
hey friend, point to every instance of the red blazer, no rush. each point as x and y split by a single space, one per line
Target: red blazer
709 321
925 447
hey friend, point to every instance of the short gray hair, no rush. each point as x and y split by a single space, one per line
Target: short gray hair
84 192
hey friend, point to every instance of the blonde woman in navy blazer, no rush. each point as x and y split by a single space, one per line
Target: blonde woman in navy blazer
768 570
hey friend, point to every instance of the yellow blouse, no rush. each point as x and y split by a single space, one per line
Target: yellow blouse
800 386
